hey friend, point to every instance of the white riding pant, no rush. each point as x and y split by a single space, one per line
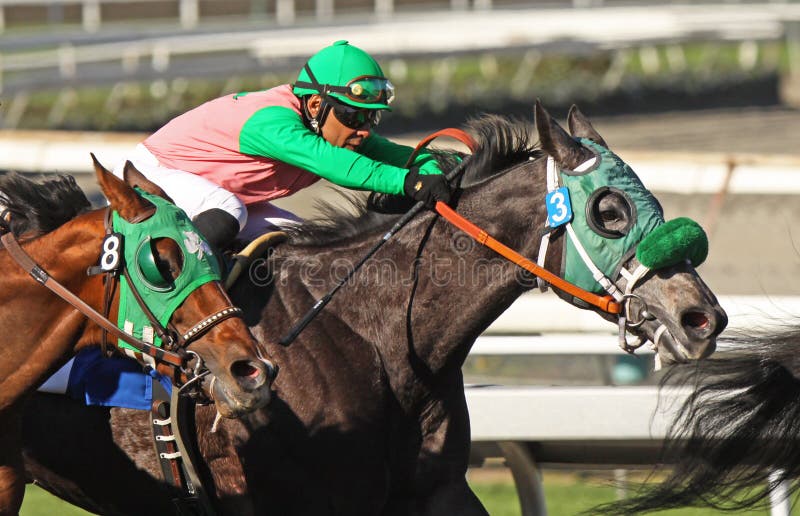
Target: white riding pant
195 194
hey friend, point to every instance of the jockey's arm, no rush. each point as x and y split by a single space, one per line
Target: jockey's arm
379 148
279 133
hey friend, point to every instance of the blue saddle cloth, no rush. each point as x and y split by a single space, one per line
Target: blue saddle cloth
113 382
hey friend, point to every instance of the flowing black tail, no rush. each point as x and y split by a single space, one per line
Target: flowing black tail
737 437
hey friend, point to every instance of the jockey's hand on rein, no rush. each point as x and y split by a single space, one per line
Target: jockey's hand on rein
427 188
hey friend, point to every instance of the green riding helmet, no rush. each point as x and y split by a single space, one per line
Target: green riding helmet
348 74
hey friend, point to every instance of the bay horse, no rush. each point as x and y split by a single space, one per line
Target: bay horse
41 331
735 442
369 414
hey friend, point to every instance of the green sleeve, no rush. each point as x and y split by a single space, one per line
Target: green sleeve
378 147
277 132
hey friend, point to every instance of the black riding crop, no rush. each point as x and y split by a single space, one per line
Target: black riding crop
320 304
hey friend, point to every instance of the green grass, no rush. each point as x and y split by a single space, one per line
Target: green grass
499 498
566 494
39 502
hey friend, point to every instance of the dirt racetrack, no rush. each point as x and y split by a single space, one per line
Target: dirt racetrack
748 130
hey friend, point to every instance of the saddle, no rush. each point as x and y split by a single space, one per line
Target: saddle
257 249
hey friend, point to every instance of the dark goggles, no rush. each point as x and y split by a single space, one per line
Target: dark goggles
355 118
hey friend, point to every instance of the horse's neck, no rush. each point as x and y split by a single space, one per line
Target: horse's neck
40 331
64 254
469 287
430 291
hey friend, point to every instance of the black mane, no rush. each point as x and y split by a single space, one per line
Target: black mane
502 143
40 207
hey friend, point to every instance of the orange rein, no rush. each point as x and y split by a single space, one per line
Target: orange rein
605 303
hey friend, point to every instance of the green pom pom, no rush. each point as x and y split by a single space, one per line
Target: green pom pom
673 242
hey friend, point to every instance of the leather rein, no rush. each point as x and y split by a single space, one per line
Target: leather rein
605 303
176 356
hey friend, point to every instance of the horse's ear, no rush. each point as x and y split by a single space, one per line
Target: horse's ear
557 143
121 197
580 127
136 179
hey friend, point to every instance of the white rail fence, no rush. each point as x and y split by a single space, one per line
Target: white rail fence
580 427
91 17
631 30
286 12
616 427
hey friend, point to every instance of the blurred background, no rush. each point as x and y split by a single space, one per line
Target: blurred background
700 97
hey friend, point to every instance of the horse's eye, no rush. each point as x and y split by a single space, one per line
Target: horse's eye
169 258
167 269
609 216
159 263
610 212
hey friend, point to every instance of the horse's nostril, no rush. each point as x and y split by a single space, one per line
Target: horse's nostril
695 320
245 369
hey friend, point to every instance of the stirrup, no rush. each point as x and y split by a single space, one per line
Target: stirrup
254 250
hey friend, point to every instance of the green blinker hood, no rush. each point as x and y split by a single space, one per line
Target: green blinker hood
609 172
161 294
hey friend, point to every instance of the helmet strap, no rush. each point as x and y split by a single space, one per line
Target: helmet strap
324 110
322 89
316 122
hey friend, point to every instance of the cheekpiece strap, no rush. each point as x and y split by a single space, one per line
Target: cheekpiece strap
552 184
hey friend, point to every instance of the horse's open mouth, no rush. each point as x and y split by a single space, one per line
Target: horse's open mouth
250 390
696 347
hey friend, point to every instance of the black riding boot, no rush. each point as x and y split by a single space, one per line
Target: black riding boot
219 228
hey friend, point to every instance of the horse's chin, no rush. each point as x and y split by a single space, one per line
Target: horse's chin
231 407
668 359
671 351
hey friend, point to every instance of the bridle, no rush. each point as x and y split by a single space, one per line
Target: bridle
617 301
188 367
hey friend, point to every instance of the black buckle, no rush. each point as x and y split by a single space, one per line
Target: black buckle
5 221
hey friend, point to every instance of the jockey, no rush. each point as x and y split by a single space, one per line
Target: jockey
224 161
